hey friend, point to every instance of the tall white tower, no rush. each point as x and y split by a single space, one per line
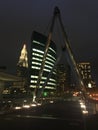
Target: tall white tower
23 59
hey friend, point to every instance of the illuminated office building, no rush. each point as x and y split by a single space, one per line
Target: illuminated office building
85 71
38 43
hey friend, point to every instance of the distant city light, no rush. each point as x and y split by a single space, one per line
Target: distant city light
89 85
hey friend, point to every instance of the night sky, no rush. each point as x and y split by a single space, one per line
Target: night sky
19 18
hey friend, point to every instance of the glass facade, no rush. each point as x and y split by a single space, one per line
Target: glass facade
38 43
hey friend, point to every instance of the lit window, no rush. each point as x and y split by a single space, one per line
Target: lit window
37 42
51 56
36 50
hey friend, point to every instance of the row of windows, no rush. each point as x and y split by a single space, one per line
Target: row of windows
43 45
36 54
37 61
42 52
38 68
85 72
42 82
34 80
38 42
39 64
47 87
47 60
43 78
86 77
84 66
36 50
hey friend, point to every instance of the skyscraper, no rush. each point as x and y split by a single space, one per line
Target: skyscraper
85 71
22 69
38 43
23 59
22 65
